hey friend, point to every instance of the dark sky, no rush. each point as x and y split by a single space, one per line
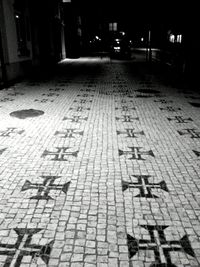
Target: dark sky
134 10
139 14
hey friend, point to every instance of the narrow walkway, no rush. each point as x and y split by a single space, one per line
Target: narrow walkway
101 169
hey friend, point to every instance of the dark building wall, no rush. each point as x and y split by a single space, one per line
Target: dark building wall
31 35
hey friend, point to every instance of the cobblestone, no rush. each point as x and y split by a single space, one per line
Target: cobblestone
107 176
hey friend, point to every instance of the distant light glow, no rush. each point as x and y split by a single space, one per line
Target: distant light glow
17 16
172 38
179 38
113 26
66 1
142 39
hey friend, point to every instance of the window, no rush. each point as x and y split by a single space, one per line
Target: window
22 33
113 26
179 38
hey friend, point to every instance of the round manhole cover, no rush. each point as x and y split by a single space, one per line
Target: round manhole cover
26 113
148 91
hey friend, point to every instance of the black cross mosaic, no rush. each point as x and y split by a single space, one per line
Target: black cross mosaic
56 89
128 96
61 154
6 99
163 101
148 91
179 119
15 94
127 118
23 246
136 153
85 95
123 101
192 132
10 131
50 94
2 150
68 133
147 96
197 153
144 186
79 109
45 187
131 133
159 245
45 100
105 92
170 109
75 119
89 86
125 108
87 90
82 101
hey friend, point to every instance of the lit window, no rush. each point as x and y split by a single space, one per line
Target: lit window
172 38
179 38
113 26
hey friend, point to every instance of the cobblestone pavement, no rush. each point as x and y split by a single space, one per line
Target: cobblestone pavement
100 168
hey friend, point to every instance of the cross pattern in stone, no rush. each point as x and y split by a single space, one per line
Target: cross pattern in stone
61 154
136 153
105 92
192 132
89 86
125 108
79 109
45 188
85 95
131 133
9 131
123 101
122 91
75 118
179 119
147 96
56 89
87 90
15 94
170 109
5 99
23 246
197 153
43 100
163 101
50 94
2 150
127 118
68 133
82 101
144 186
159 245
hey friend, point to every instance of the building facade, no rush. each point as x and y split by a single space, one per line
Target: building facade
31 34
